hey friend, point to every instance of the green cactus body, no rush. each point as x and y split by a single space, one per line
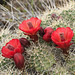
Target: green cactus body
42 59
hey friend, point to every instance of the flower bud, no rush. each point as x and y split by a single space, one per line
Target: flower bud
47 37
53 16
41 31
48 30
24 42
59 17
19 60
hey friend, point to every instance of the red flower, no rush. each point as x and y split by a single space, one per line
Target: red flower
30 26
12 47
19 60
62 37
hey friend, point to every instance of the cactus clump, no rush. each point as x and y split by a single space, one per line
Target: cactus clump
42 58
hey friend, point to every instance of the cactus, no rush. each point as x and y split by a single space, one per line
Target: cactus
41 58
71 62
60 71
71 66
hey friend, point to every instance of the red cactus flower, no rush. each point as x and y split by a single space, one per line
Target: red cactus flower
30 26
47 36
62 37
19 60
12 47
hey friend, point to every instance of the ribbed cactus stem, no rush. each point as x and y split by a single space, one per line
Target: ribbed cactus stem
42 59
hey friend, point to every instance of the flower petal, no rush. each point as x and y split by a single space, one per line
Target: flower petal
6 52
